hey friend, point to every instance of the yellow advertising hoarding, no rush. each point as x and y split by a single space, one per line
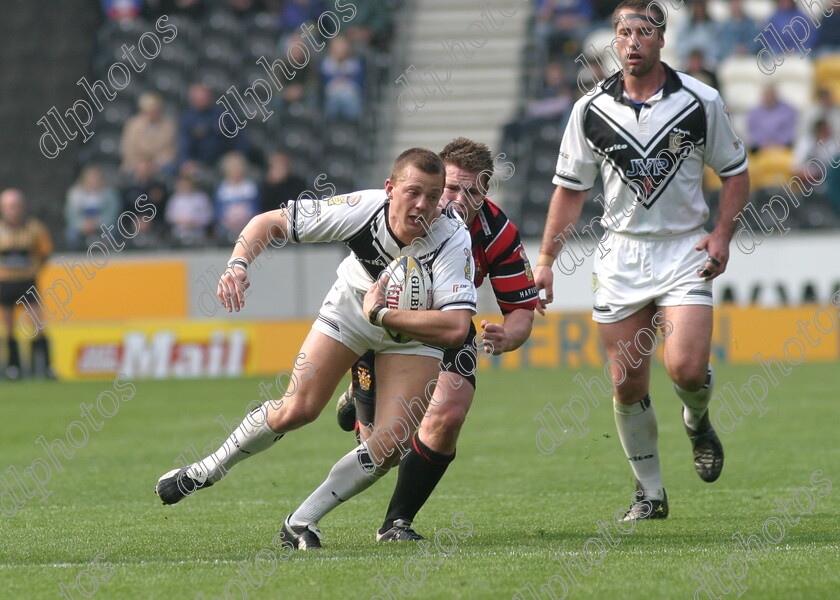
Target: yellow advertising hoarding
73 290
181 348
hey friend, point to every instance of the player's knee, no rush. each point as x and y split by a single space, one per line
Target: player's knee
689 376
446 421
292 416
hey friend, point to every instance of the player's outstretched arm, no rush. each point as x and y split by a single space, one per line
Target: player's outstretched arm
260 231
733 198
563 212
510 335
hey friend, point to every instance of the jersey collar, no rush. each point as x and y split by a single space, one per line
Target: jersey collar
386 209
614 85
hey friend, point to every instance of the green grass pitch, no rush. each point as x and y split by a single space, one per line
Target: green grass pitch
526 513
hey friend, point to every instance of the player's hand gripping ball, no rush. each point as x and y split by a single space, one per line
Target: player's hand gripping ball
407 287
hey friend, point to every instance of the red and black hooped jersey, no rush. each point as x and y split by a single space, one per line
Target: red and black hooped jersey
499 255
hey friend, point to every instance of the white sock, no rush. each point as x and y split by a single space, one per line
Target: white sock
638 432
696 403
251 437
353 473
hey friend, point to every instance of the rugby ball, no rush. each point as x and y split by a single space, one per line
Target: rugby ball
408 287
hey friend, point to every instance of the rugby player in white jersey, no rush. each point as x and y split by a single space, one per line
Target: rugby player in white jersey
377 225
649 131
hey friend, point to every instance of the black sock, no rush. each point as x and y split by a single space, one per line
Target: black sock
40 357
14 353
420 471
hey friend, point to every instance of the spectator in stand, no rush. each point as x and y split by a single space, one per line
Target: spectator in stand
145 182
697 32
824 109
199 136
119 10
786 11
91 203
206 179
555 98
828 41
820 144
343 76
771 123
280 183
696 67
189 213
149 135
562 25
237 197
371 26
304 87
295 13
737 33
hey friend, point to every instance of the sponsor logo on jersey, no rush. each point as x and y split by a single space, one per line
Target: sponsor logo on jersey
647 167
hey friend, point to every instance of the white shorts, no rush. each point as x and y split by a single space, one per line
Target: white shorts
639 270
341 317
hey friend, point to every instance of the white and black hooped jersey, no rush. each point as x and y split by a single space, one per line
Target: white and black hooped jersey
651 156
360 221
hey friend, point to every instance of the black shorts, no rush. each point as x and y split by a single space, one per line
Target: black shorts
462 361
12 291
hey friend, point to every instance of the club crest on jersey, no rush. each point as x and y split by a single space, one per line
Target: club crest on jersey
467 269
364 379
528 273
679 144
674 142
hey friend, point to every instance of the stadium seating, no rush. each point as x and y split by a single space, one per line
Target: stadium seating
769 165
827 74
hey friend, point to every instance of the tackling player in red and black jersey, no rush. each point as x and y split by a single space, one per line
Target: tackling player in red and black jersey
498 255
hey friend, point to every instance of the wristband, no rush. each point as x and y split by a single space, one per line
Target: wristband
238 262
377 314
545 260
